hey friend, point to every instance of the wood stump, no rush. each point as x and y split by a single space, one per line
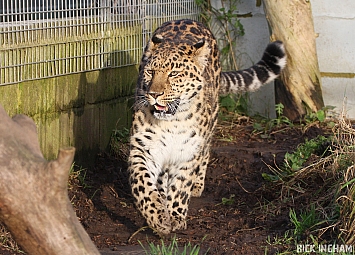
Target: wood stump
34 203
292 23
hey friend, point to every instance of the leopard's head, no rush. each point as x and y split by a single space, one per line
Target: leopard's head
171 75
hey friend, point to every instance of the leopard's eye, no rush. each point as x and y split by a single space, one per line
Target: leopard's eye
149 72
173 73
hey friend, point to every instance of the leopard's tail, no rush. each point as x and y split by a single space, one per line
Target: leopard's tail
265 71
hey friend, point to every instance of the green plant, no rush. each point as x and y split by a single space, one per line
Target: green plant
227 138
264 126
121 135
232 103
225 23
323 190
280 119
119 143
320 115
227 201
287 238
305 222
295 161
78 173
171 249
284 243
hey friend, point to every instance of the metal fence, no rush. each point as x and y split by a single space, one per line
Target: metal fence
48 38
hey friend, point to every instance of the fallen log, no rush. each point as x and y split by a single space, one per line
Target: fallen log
34 203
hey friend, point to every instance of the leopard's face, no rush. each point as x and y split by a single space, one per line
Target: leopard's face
172 76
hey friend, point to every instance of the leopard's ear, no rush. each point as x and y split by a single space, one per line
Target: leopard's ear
202 53
157 39
153 42
200 43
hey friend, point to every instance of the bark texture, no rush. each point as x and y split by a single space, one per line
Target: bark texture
34 203
292 23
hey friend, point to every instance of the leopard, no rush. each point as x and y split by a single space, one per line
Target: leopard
175 114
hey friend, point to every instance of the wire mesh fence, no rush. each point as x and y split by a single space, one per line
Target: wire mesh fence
48 38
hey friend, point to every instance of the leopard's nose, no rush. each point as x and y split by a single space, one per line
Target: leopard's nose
155 95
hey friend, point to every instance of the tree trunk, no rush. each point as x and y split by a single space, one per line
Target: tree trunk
34 203
292 23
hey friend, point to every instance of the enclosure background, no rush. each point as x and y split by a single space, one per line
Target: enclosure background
72 65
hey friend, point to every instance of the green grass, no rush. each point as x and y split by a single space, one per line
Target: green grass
304 223
7 241
119 143
264 126
171 249
79 173
295 161
233 104
317 185
227 201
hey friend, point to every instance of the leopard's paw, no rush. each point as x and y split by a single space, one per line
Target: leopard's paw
197 190
160 222
178 223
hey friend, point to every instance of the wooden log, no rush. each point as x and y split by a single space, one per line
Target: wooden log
292 23
34 203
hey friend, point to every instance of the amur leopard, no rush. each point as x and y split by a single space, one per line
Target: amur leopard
175 114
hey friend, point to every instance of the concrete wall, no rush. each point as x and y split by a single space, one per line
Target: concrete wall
334 22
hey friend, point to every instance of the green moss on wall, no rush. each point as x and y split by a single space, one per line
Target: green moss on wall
78 110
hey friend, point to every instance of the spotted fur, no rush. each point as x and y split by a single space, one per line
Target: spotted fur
175 115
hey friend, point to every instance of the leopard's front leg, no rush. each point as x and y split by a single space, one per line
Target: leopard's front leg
181 186
149 198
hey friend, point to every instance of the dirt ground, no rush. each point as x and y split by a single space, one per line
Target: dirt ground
103 202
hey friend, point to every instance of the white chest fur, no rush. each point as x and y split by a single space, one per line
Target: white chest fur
173 146
171 143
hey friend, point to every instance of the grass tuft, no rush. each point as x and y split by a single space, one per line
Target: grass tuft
317 185
345 160
7 241
119 143
171 249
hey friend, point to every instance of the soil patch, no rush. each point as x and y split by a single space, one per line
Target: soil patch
242 225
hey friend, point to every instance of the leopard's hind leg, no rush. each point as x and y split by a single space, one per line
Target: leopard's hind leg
198 176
